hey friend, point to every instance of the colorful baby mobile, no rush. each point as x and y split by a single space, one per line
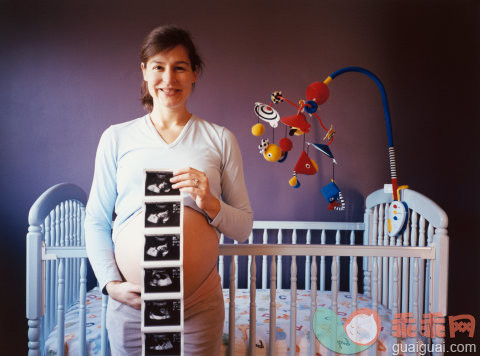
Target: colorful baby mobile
298 124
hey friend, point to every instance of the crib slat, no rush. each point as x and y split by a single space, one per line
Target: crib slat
62 223
323 240
279 260
350 281
61 307
313 304
367 220
395 286
253 308
375 288
68 279
273 314
421 242
337 242
249 263
77 271
235 260
231 318
68 225
47 296
56 242
264 261
429 281
307 261
103 335
46 292
334 279
334 286
57 225
82 310
381 217
221 262
406 269
416 285
354 279
390 274
53 293
293 306
413 236
385 271
375 295
76 212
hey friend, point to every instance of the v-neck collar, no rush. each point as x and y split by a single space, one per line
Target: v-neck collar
179 137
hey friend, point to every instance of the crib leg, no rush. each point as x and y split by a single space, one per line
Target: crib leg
34 337
104 335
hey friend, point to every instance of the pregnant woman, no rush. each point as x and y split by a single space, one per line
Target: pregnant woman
207 168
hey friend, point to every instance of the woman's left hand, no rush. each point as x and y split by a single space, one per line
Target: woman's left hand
195 182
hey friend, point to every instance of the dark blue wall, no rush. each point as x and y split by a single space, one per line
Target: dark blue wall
70 69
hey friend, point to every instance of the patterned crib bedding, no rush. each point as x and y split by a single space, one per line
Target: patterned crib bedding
242 307
93 329
303 337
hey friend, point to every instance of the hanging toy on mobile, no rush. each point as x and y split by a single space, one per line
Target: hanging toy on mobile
316 94
298 124
295 125
271 152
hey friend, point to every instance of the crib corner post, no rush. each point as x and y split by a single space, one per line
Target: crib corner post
34 289
440 288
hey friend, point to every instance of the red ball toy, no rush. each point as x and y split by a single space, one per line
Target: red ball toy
317 91
285 144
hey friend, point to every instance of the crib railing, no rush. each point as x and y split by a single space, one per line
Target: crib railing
277 230
56 263
427 226
374 253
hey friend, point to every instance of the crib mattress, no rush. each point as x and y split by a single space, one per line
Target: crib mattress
242 307
303 336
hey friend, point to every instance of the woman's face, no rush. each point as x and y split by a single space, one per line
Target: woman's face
169 78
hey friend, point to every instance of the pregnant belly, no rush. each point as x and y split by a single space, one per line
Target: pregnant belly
200 249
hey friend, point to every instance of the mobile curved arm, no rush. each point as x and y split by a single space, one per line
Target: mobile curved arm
391 149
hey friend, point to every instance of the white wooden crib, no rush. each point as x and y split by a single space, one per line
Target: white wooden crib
282 262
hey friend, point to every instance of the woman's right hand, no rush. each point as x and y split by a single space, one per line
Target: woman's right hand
125 292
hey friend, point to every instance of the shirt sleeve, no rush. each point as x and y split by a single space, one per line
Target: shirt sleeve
100 206
235 218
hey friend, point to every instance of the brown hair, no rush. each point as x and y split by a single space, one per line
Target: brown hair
165 38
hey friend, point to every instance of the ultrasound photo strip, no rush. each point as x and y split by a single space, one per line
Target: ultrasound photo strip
162 279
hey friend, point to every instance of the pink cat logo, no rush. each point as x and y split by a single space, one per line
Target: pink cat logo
363 326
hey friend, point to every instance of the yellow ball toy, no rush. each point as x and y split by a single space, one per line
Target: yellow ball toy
258 130
272 153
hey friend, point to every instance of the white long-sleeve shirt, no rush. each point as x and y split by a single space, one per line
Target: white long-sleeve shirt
123 153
